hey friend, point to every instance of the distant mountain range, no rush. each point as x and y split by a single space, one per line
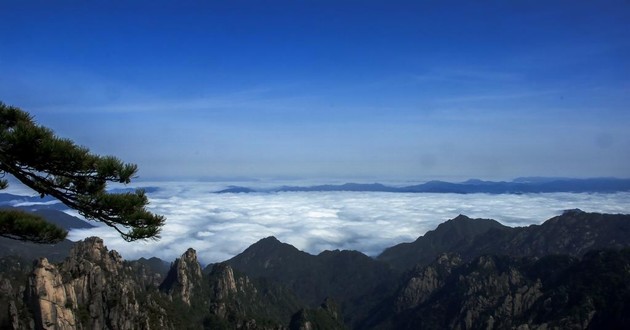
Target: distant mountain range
516 186
10 199
54 252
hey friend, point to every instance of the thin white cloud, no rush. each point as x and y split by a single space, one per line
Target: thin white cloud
466 75
220 226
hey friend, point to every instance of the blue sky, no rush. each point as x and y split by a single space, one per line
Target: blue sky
347 89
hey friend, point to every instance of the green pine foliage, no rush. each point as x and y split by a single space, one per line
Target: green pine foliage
54 166
24 226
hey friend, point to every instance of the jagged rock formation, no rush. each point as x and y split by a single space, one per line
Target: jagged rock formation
52 300
184 275
238 302
93 288
13 279
497 278
423 281
514 293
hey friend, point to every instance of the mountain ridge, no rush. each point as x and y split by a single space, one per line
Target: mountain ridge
495 278
517 186
572 233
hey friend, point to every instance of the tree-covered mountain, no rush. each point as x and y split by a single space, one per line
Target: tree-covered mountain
572 271
503 292
356 281
572 233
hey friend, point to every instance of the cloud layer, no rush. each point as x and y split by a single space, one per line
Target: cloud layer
220 226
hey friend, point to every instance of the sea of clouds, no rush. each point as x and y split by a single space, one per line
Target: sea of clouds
219 226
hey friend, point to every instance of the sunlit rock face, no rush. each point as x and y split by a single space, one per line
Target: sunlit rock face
92 288
183 277
53 301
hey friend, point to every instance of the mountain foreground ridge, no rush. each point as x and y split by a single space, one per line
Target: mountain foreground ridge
572 271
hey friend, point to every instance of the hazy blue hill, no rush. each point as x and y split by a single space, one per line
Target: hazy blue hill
59 218
517 186
9 199
344 187
539 179
148 190
437 187
54 252
236 189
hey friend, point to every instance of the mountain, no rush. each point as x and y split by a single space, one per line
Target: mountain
58 218
54 252
517 186
453 235
155 265
236 190
501 292
352 279
343 187
571 272
10 199
573 233
94 288
521 185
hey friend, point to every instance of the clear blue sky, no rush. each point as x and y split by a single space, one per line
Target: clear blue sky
412 89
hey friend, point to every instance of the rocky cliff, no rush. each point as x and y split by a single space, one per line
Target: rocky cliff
573 271
183 277
94 288
490 292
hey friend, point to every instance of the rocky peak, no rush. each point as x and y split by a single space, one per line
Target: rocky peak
225 283
269 256
271 248
460 217
424 281
454 235
93 251
183 277
90 289
51 299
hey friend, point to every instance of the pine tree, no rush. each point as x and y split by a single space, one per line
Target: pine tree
57 167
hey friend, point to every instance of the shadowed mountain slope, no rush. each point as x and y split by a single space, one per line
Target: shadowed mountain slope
351 278
572 233
453 235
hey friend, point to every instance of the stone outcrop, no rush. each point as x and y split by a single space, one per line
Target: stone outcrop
93 288
53 300
183 277
424 281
